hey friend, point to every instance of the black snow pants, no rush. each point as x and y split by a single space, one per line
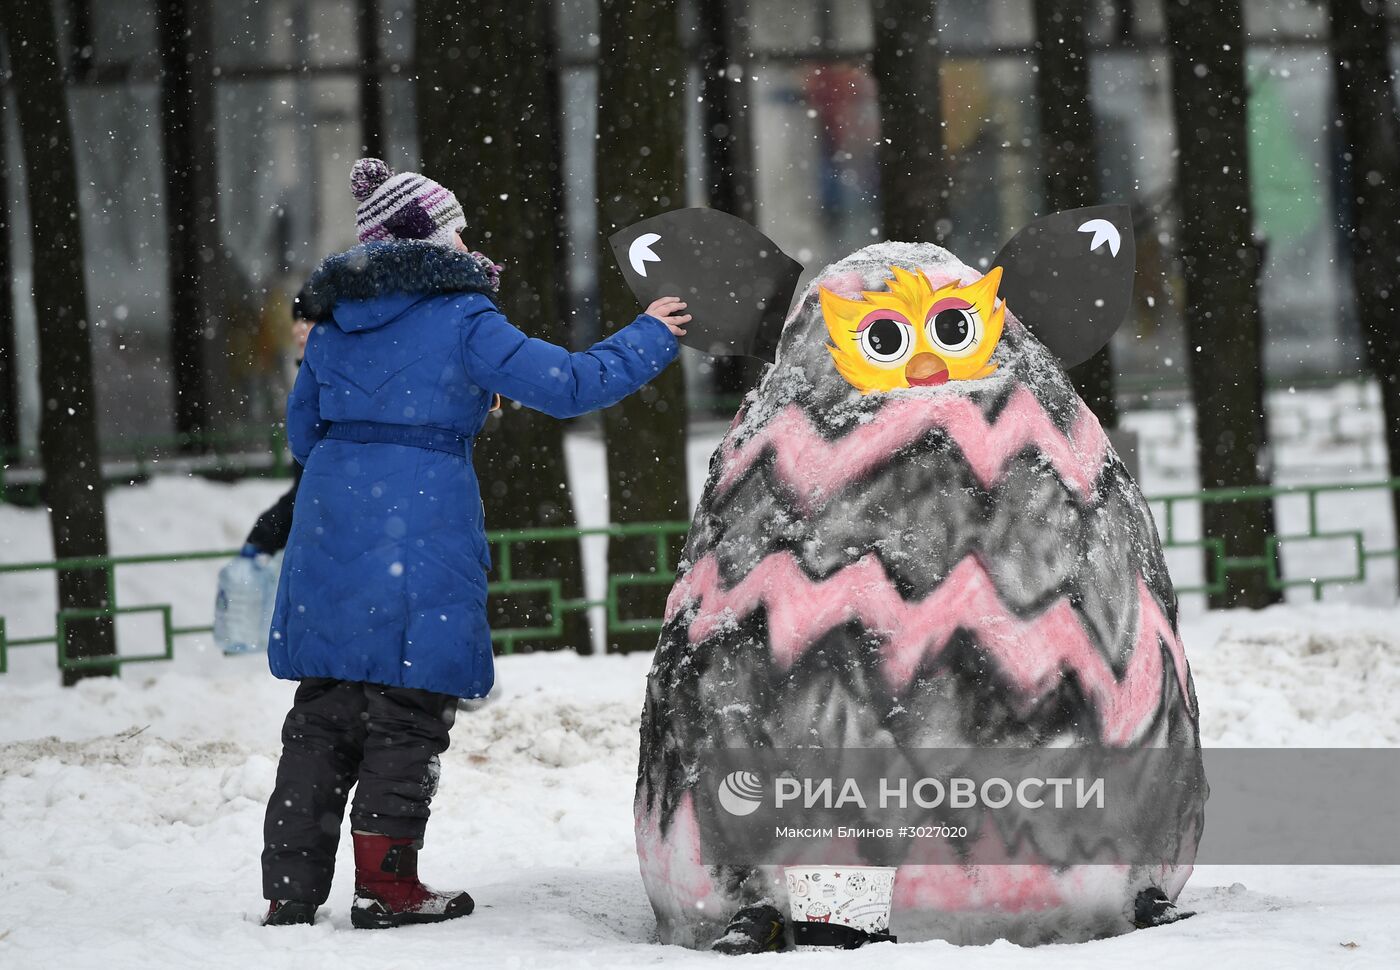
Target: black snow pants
384 741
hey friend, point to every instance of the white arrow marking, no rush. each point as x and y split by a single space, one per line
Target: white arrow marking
639 253
1104 231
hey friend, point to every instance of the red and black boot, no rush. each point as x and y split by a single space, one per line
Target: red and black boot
387 890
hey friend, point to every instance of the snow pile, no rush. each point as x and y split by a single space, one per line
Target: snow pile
1310 676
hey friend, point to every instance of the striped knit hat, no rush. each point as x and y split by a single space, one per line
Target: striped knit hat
403 206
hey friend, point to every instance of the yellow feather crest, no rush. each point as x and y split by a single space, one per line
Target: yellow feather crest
909 302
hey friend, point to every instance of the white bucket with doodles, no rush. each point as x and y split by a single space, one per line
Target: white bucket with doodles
840 906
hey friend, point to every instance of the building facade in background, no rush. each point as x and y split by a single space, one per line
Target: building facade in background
299 89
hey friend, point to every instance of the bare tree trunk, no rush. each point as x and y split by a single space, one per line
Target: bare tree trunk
914 186
190 206
1069 154
1221 264
724 88
9 361
371 92
499 148
641 172
1371 128
68 448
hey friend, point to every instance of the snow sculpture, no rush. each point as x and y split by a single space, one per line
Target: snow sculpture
930 545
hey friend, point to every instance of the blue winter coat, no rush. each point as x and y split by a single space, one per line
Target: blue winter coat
384 576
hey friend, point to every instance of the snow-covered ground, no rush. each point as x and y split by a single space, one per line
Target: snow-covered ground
131 808
131 814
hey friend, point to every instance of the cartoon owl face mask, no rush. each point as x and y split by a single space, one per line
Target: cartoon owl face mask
1067 277
914 335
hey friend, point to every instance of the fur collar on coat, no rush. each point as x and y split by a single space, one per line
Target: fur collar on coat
402 266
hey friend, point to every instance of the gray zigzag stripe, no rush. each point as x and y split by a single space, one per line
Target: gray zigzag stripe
725 692
1035 538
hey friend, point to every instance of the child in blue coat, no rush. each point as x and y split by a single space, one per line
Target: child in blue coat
381 607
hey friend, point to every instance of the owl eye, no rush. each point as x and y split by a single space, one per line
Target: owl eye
887 339
953 329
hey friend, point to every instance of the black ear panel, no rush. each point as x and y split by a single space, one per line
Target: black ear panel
1069 278
736 282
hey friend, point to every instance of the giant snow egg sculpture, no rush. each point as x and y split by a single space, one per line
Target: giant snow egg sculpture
914 534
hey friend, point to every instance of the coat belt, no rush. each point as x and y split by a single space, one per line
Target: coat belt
414 436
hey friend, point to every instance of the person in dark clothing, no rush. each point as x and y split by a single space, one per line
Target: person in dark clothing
381 606
270 532
274 525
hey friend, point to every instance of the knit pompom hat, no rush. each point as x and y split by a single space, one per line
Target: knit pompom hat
403 206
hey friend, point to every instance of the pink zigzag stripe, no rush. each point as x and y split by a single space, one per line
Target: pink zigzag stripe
1034 654
816 469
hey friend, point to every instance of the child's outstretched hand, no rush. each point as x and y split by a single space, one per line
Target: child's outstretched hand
668 311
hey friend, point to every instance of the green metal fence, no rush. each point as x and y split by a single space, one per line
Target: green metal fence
1219 561
504 546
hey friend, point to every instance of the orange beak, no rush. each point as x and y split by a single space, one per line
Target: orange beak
925 370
